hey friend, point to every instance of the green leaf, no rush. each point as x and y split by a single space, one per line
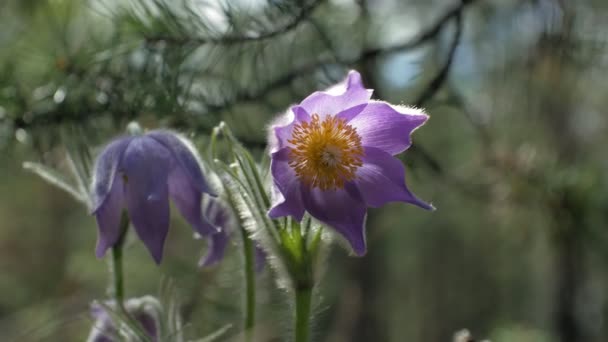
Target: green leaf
57 179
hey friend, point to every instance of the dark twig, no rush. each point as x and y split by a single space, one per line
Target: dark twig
307 69
244 96
433 87
425 36
442 75
300 17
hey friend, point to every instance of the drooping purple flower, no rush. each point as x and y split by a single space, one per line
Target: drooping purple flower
139 174
145 311
333 157
221 217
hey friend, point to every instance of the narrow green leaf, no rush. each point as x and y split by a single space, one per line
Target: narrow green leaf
81 181
55 178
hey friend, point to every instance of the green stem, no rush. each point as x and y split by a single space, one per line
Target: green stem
303 305
249 255
117 290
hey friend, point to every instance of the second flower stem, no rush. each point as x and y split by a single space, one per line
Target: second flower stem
117 289
248 254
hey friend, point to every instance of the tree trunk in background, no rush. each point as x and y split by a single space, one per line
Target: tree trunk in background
559 108
366 275
570 274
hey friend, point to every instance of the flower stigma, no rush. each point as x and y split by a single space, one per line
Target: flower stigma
325 154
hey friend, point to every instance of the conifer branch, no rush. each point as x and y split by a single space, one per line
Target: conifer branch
303 14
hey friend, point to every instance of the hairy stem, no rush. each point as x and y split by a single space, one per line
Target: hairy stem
248 254
302 308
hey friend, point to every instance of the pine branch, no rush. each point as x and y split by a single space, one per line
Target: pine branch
439 79
59 115
431 33
304 13
425 36
431 89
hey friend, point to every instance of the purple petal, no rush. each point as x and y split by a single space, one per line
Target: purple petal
106 166
260 258
283 133
341 211
187 199
387 127
104 330
381 179
98 336
148 323
221 217
349 93
143 310
108 217
146 310
217 213
146 164
216 249
351 112
288 184
185 154
98 312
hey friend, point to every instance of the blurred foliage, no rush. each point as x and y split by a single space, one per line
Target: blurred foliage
513 157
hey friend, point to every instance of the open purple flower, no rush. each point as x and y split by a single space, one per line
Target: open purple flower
145 311
222 218
333 157
139 174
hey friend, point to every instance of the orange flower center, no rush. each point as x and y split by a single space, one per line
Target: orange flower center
325 154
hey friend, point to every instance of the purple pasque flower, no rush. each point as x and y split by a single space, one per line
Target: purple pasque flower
222 217
139 174
145 311
219 215
333 157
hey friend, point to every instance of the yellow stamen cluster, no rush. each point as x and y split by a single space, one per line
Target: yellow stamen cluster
325 154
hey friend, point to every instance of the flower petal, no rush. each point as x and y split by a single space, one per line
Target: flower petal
381 179
219 215
147 311
341 211
144 310
103 330
187 199
108 216
288 185
387 127
186 156
296 115
351 112
106 166
150 324
216 250
346 94
146 164
260 258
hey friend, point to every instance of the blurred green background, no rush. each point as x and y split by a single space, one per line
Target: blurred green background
513 157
